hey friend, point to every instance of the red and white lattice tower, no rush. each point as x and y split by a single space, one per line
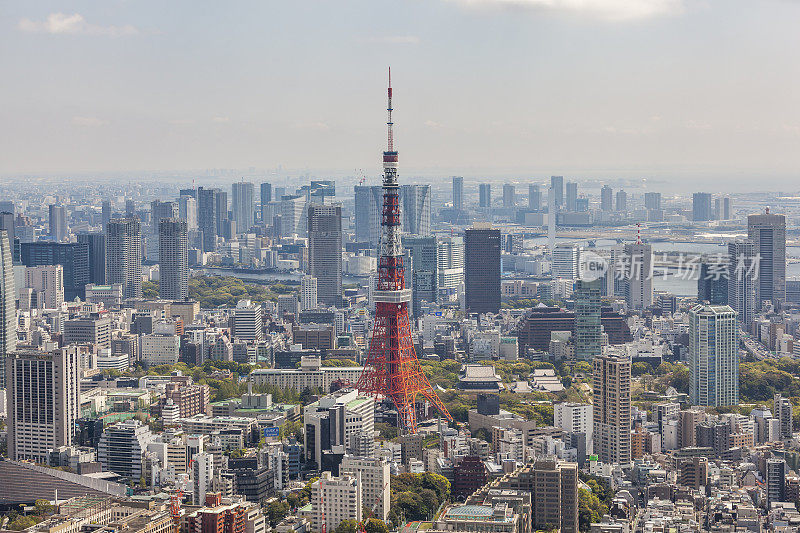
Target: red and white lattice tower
392 369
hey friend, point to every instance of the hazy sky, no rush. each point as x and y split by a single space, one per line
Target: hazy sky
594 87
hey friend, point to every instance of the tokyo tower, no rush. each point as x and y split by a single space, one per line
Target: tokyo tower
392 369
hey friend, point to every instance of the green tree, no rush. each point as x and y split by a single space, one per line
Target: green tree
347 526
277 511
374 525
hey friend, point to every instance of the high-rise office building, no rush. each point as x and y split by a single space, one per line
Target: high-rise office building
534 197
74 257
243 205
308 293
612 408
292 220
247 321
566 261
159 210
727 210
105 214
266 193
485 195
458 193
572 196
368 205
130 208
712 283
742 280
555 495
606 196
652 200
43 391
8 305
557 187
450 264
638 276
207 216
96 248
124 255
588 329
776 480
713 355
7 225
58 222
701 206
622 200
416 200
187 210
509 195
48 281
424 275
374 478
173 259
768 233
325 251
482 269
782 410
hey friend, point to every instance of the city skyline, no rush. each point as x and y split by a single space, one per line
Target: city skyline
137 93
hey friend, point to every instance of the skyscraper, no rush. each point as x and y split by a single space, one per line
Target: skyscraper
652 200
173 254
124 255
308 293
768 233
43 401
712 283
742 280
187 210
450 264
266 193
58 222
8 305
509 195
243 205
96 248
713 355
566 261
74 257
701 206
416 210
485 195
638 278
612 408
572 196
325 251
534 197
105 214
424 276
622 200
557 186
7 225
207 204
159 210
368 201
482 269
606 195
588 329
458 193
292 209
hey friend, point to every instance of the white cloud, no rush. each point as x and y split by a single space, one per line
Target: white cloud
89 122
393 39
605 9
75 24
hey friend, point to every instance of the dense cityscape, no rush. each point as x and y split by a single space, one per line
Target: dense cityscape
272 350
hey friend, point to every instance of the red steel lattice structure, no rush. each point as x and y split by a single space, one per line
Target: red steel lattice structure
392 369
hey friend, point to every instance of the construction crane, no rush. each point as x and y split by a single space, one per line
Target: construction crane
362 526
175 501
